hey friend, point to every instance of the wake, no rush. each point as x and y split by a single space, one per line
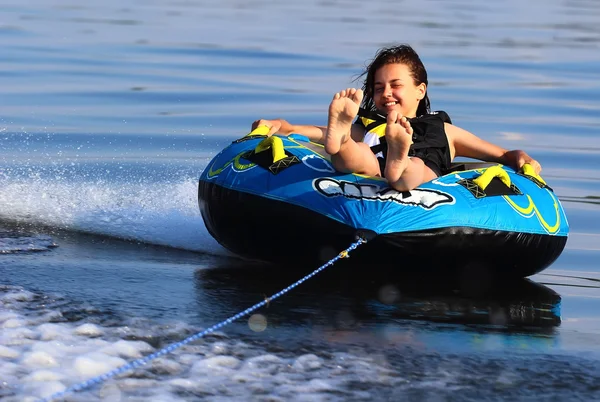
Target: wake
164 213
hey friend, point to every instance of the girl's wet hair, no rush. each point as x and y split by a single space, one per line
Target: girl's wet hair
401 54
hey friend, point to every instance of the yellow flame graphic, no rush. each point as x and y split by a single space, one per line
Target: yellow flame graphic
236 165
531 210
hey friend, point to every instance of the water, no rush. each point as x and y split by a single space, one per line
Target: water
109 113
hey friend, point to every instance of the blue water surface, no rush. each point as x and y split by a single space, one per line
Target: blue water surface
109 113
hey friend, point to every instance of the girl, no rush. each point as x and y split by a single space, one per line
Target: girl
394 134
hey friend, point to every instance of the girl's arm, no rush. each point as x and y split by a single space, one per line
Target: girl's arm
313 133
464 143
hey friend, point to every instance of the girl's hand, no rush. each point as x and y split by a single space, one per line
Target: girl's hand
274 125
517 158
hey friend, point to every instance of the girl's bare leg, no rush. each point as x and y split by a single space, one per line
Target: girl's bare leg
398 135
403 173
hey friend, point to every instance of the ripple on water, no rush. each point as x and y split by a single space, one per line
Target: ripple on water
13 242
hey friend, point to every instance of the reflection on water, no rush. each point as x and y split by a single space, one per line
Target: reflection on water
344 298
521 304
588 199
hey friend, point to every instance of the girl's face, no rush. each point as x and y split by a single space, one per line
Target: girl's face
395 89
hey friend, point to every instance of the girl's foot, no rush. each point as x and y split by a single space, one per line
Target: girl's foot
342 111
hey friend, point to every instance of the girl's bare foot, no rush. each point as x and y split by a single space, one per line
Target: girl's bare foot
398 134
342 111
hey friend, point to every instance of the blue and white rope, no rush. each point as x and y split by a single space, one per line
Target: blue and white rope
146 359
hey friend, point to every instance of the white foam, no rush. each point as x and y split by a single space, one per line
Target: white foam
221 365
8 353
44 375
203 385
17 336
220 348
51 331
43 389
264 363
188 358
316 385
89 330
6 315
133 384
94 364
9 371
69 346
164 397
307 363
167 366
128 349
39 359
13 323
47 316
18 296
185 383
109 391
61 355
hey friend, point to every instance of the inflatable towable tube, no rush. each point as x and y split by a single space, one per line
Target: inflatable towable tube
279 199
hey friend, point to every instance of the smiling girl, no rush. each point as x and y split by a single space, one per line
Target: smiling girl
387 129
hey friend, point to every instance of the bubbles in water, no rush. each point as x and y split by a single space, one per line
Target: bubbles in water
257 322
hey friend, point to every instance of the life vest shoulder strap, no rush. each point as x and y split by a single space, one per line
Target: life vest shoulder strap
371 120
371 125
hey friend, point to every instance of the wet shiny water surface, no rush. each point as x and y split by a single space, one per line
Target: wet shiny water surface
111 111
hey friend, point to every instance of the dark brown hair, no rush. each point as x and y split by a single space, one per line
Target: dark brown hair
400 54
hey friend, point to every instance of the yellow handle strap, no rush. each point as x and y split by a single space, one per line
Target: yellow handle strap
260 130
529 171
486 177
276 145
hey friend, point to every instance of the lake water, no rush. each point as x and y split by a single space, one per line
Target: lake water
110 111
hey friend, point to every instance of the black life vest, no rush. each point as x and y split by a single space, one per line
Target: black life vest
429 138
